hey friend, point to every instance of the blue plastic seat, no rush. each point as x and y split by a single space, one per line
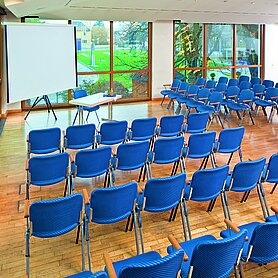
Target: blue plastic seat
231 95
209 257
233 82
268 83
201 98
181 91
48 170
244 85
196 122
223 79
167 151
201 81
270 173
255 81
229 141
170 126
92 163
44 141
200 145
112 133
245 177
261 246
112 205
82 93
168 89
191 93
80 137
243 78
206 185
210 84
131 156
220 87
259 90
89 274
53 218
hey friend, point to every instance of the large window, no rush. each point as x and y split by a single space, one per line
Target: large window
214 50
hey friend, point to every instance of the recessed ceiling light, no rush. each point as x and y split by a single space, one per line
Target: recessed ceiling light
252 3
225 1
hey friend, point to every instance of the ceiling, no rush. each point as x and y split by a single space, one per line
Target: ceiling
222 11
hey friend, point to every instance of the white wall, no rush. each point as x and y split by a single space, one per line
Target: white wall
162 51
271 52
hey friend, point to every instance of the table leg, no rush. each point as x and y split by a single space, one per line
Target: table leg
110 112
80 115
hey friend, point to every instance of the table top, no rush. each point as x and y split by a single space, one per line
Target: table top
93 100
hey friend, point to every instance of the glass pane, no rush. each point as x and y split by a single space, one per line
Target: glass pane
92 45
94 83
188 49
134 85
220 45
214 74
248 44
251 72
190 76
130 45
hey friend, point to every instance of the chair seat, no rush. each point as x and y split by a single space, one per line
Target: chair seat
192 103
49 234
237 106
91 109
173 95
88 274
143 258
205 108
215 145
272 218
188 247
166 92
264 103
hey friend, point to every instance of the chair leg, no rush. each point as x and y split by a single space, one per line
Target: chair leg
230 158
82 244
105 180
273 188
263 202
169 104
174 168
97 117
27 248
175 213
127 223
162 100
212 160
211 205
263 108
220 121
225 205
203 161
136 232
245 196
140 231
187 219
240 154
77 234
270 115
140 174
183 221
87 116
66 188
85 221
171 215
252 120
205 165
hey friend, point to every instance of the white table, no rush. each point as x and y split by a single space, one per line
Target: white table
94 100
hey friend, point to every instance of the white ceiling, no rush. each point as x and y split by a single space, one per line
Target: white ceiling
229 11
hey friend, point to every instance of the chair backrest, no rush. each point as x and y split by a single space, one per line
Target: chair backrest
47 170
220 87
265 243
233 82
183 87
80 136
203 94
171 125
255 80
201 81
113 204
51 218
215 99
246 96
175 84
163 194
258 89
79 94
42 141
245 85
276 85
272 169
193 90
167 150
232 92
271 94
143 129
223 79
113 132
132 156
210 84
197 122
93 162
230 139
207 184
165 267
246 175
217 258
268 83
243 78
200 144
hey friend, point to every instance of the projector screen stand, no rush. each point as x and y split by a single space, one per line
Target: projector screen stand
48 105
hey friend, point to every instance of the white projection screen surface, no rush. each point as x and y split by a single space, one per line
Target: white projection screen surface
41 59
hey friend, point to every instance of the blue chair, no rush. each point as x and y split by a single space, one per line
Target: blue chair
220 87
89 274
112 133
164 194
201 98
196 122
223 79
229 141
259 90
244 103
82 93
268 83
261 244
181 91
210 84
233 82
206 185
190 94
273 218
213 107
44 141
245 177
112 205
209 257
243 78
167 151
276 85
52 218
244 85
168 88
170 126
80 137
255 81
131 156
48 170
201 81
231 95
92 163
148 265
200 145
270 173
270 100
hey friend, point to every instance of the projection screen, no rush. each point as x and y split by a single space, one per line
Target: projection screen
41 59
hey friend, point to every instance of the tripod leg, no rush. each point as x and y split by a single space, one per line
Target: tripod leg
48 103
34 104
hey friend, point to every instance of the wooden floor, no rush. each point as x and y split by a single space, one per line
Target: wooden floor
61 256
